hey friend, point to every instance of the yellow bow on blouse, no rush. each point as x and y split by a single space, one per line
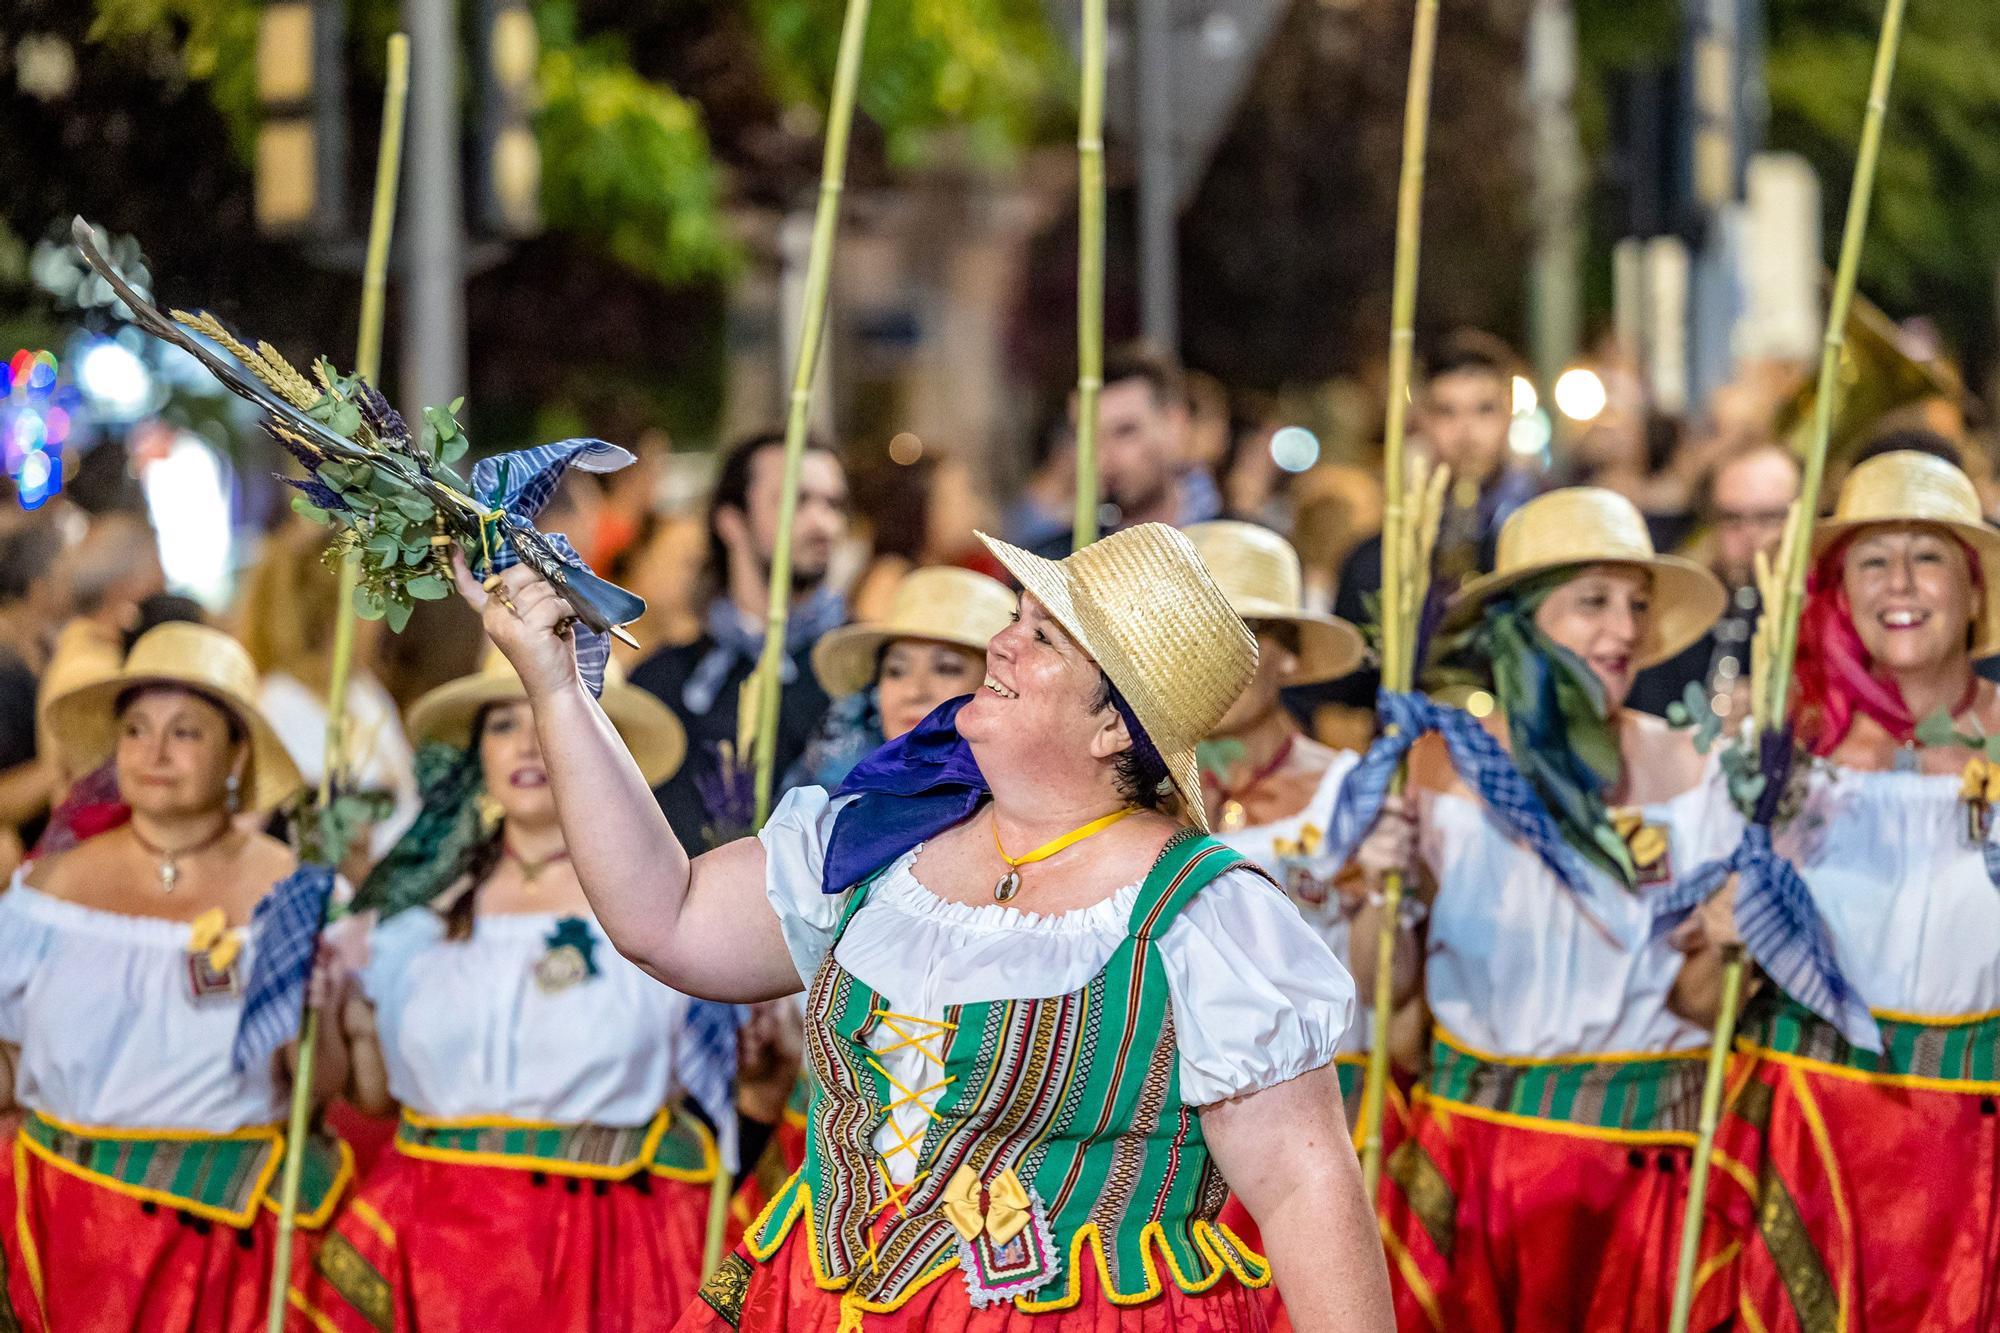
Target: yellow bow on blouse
1002 1213
1980 782
210 934
1646 842
1302 847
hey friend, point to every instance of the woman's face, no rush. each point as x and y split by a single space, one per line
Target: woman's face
919 674
175 754
510 760
1602 615
1276 663
1909 589
1040 695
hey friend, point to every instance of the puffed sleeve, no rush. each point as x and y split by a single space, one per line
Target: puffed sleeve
24 940
795 839
393 946
1258 997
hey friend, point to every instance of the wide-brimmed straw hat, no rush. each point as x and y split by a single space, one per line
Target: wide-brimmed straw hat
1144 607
1258 571
942 605
187 656
648 727
1588 525
1912 487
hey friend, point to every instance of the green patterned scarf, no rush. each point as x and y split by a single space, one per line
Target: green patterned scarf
427 859
1558 722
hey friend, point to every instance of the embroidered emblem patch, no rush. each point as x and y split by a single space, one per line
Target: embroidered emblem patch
1649 845
212 954
1004 1248
571 956
726 1288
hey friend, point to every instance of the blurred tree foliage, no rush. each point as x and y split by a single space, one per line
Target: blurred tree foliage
1934 236
627 161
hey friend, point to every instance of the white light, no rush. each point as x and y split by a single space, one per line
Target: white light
35 471
1529 434
117 382
1526 399
1580 394
187 493
1294 448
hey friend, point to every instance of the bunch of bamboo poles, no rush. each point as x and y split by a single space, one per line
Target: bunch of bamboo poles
1778 635
1407 533
367 364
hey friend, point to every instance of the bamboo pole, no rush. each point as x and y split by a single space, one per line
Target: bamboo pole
368 364
1771 709
812 324
1089 271
1399 606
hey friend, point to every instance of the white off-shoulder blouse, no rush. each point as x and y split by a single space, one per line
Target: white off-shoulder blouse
1258 997
112 1031
492 1026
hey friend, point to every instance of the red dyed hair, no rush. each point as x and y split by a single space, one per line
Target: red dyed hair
1835 677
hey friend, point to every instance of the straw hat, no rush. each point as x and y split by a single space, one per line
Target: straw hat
1588 525
1911 487
942 605
1258 571
194 657
1143 606
648 727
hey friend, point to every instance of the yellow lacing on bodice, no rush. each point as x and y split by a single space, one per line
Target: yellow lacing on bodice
913 1032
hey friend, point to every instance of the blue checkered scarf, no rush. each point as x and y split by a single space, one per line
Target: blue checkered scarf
284 934
520 484
1489 771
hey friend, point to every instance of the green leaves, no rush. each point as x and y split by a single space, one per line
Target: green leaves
305 508
1694 709
1938 731
337 415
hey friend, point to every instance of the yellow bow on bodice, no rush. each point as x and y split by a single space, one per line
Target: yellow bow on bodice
1000 1209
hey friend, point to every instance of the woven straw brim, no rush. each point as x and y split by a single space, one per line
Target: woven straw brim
1985 544
1177 702
844 660
648 727
1687 598
1329 647
85 723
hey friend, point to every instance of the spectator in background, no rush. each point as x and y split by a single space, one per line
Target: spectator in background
1464 410
1142 450
31 605
1748 499
701 680
287 617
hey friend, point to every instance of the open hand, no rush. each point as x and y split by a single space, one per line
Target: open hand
528 621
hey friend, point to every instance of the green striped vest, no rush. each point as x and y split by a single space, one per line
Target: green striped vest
1077 1095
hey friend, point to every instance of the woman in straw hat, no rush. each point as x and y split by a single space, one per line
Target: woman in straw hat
886 675
143 1176
1875 1193
541 1176
1029 1083
1538 1187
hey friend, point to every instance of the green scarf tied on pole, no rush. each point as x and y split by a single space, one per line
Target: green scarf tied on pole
1558 723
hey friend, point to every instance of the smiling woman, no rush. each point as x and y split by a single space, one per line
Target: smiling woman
985 1071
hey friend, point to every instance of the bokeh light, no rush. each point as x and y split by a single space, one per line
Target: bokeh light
1294 448
119 386
1530 433
1526 399
1580 394
188 495
905 448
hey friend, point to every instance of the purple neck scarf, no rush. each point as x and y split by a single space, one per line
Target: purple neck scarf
910 790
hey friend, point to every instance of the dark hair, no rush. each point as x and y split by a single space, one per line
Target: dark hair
479 860
1140 772
1286 632
1139 361
164 608
732 488
1470 351
1914 439
27 555
237 732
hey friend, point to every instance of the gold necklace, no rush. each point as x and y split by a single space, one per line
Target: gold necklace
170 870
1010 883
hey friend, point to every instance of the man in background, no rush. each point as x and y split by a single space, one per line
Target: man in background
1143 467
1749 496
708 799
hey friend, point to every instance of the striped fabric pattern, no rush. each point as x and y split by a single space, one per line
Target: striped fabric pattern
1961 1052
1646 1095
220 1177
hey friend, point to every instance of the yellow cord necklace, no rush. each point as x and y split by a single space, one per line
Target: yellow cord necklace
1010 883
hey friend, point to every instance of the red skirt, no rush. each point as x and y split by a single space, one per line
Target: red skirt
437 1247
1866 1204
781 1296
1500 1224
81 1256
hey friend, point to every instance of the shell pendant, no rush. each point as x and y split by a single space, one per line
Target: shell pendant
170 875
1009 885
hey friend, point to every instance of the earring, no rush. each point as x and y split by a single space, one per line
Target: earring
488 810
234 786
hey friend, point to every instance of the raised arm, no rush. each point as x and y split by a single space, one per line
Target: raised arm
703 926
